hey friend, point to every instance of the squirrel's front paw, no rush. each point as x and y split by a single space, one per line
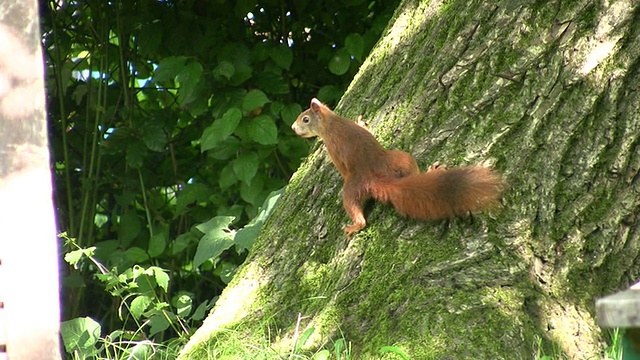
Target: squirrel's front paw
352 229
363 124
437 166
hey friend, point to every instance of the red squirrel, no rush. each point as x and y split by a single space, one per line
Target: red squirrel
370 171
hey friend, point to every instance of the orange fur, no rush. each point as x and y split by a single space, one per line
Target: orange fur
370 171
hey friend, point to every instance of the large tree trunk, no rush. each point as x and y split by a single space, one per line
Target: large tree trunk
547 93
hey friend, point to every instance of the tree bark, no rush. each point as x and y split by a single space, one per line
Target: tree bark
29 298
545 92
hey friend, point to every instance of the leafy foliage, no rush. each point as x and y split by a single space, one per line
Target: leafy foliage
169 123
143 292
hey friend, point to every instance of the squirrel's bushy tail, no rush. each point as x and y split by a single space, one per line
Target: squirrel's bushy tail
441 193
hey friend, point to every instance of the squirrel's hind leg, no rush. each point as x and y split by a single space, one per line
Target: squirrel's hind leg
352 200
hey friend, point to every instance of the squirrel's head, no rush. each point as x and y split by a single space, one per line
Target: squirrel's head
308 123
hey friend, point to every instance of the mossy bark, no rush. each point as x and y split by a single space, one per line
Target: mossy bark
545 92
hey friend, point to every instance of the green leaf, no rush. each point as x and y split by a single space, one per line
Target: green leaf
184 305
263 130
73 257
168 68
270 203
116 334
233 97
224 69
182 242
259 53
106 247
80 335
198 104
290 112
236 52
220 129
322 355
191 193
216 239
201 310
242 74
254 99
251 192
158 323
294 147
79 93
225 271
161 277
135 255
338 347
125 198
282 56
272 83
154 137
190 74
145 283
225 150
189 77
110 281
246 236
143 69
157 244
217 225
141 350
150 38
139 305
340 62
246 166
329 93
304 337
355 45
275 108
129 227
136 152
74 281
395 350
227 177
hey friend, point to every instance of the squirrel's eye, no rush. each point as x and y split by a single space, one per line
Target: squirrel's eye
305 119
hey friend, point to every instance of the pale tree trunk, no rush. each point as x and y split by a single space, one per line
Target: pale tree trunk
547 93
29 299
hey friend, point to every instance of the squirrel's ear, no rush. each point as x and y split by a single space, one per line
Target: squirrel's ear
316 105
